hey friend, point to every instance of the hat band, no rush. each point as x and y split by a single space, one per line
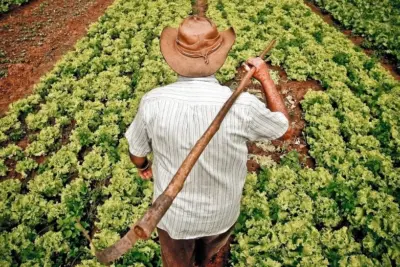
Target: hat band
204 53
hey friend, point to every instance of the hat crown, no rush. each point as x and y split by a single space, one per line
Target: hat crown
195 29
196 48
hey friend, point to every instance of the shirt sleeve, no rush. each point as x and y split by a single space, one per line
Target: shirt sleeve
265 124
137 135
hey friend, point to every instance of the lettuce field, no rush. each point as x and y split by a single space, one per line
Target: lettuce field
5 4
377 21
63 156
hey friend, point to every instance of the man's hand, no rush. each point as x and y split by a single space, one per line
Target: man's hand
262 70
146 174
143 165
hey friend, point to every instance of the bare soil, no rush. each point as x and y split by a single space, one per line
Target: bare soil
386 61
34 36
293 93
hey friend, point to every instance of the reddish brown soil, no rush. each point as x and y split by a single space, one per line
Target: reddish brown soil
293 91
34 36
385 61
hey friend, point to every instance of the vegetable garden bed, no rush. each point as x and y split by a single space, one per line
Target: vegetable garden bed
34 37
343 212
5 5
377 21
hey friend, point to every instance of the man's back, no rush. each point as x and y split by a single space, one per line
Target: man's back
172 119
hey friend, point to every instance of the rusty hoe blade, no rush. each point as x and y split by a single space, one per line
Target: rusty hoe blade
112 253
146 225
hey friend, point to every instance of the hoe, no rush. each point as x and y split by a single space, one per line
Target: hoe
146 225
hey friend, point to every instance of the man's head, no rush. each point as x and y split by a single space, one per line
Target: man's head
196 48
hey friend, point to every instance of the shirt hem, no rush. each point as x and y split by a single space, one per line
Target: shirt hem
198 236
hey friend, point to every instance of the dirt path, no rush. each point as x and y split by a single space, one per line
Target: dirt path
34 36
386 62
293 93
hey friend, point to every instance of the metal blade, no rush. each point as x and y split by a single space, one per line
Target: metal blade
112 253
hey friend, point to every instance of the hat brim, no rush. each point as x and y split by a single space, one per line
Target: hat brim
194 67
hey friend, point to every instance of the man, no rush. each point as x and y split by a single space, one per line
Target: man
172 118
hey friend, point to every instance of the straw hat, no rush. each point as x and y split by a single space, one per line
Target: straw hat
196 48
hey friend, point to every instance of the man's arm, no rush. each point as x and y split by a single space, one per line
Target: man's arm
273 99
143 164
139 143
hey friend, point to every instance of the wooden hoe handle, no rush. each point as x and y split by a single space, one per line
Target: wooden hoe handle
146 225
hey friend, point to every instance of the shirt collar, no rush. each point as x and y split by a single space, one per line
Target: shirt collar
210 79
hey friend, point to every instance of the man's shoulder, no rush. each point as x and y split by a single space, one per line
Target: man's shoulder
156 93
188 92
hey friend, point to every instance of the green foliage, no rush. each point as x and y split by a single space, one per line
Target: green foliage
291 160
24 167
353 145
49 244
9 192
76 119
45 141
288 238
299 220
342 213
376 21
29 209
64 161
11 152
95 165
9 126
3 168
46 184
6 4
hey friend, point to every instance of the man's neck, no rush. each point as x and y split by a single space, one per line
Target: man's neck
210 78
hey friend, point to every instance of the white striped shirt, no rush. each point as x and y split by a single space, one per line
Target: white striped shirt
169 122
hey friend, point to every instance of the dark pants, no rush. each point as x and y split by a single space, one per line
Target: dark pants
188 252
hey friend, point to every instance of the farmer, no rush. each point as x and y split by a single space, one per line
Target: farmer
172 118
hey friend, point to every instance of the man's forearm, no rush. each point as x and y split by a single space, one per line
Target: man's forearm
139 162
143 165
275 103
273 98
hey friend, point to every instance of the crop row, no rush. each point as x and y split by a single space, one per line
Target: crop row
126 200
75 121
345 212
6 4
309 48
76 164
377 21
